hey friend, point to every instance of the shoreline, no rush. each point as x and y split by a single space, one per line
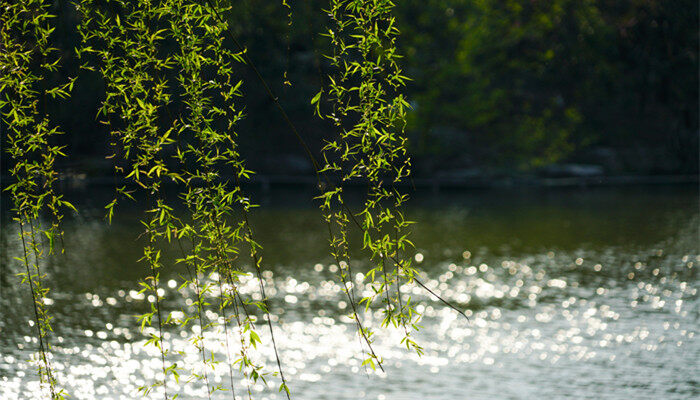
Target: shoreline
267 182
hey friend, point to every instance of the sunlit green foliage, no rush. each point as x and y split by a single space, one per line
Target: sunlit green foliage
171 105
25 60
369 113
125 36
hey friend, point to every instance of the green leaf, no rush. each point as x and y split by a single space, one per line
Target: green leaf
317 97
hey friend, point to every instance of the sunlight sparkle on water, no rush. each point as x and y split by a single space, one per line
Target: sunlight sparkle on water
545 322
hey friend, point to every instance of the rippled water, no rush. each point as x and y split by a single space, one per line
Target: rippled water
570 293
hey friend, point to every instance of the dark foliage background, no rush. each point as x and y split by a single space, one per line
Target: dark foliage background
498 87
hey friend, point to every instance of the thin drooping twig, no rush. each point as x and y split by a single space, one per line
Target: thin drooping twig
386 284
398 290
320 176
221 303
223 259
447 303
350 292
155 279
292 127
244 355
270 94
195 280
258 268
228 351
42 347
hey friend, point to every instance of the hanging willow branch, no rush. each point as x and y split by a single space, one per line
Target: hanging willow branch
171 108
369 112
356 18
126 37
170 105
26 59
206 77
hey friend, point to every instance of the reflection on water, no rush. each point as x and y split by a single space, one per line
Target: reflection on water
582 294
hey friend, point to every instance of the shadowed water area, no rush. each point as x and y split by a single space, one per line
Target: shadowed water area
571 293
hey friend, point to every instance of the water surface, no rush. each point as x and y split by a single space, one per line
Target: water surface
571 293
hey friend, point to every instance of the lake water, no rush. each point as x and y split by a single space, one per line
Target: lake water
571 293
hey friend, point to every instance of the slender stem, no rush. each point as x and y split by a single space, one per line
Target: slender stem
319 174
42 349
270 94
398 288
447 303
256 261
244 355
195 280
228 351
154 278
386 283
351 297
160 326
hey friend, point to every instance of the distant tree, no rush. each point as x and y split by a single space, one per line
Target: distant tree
511 76
523 83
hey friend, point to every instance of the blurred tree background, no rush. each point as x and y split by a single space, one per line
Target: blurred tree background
498 86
